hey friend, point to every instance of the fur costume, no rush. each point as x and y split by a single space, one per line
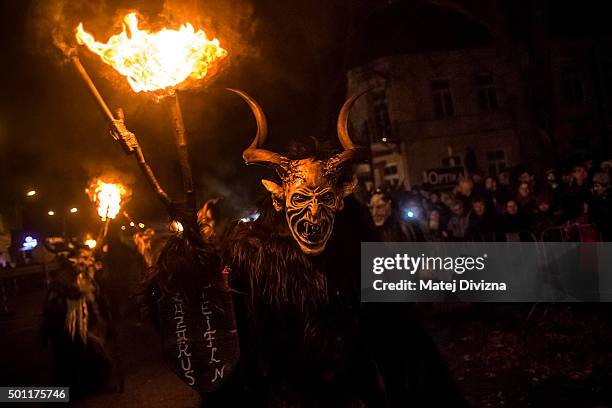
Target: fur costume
305 339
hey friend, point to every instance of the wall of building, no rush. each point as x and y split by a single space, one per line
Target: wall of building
420 138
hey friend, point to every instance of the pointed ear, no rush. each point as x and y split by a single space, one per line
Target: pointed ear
346 189
278 194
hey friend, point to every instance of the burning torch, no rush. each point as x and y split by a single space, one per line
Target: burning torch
157 62
108 197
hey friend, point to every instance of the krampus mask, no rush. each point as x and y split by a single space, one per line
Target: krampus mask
311 190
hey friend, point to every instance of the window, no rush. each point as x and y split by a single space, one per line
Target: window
487 95
451 161
442 98
496 160
381 113
390 169
571 84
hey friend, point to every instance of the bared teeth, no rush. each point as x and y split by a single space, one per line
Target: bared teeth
310 231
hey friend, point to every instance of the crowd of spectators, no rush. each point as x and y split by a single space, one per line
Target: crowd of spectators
574 204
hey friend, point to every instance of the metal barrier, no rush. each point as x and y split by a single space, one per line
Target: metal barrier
15 274
571 233
515 236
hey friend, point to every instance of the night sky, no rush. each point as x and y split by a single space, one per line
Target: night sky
290 56
54 139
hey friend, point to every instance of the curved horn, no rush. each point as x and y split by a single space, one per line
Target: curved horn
343 134
253 154
352 152
260 118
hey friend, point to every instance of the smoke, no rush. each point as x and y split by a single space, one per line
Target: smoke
287 55
54 23
232 21
109 173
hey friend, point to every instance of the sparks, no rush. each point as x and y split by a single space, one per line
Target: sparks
156 61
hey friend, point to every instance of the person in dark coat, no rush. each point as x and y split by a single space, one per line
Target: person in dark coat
514 220
482 222
600 205
390 223
293 276
77 325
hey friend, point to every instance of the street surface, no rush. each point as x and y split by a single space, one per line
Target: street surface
26 361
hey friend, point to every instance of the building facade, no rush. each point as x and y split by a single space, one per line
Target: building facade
463 90
435 110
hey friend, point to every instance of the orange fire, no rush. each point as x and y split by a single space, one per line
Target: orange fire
108 197
155 61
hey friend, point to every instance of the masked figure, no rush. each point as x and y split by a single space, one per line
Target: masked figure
388 220
77 323
380 208
310 193
297 334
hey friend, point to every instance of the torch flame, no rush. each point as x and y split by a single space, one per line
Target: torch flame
90 242
108 197
155 61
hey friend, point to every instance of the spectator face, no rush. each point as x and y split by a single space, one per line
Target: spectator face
466 186
511 207
434 220
543 206
490 184
524 190
478 207
551 178
598 189
433 197
476 178
504 178
524 178
457 208
446 199
380 209
580 175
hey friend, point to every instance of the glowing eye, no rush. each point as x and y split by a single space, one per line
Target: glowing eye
328 198
298 198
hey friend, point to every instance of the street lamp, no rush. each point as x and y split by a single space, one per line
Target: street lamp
31 193
51 213
73 210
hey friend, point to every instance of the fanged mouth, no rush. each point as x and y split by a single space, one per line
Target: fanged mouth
311 232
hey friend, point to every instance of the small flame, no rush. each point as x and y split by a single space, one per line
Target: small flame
155 61
176 227
91 243
108 196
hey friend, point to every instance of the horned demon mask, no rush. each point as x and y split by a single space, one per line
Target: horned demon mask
311 192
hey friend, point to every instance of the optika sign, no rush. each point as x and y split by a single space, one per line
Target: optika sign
443 177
